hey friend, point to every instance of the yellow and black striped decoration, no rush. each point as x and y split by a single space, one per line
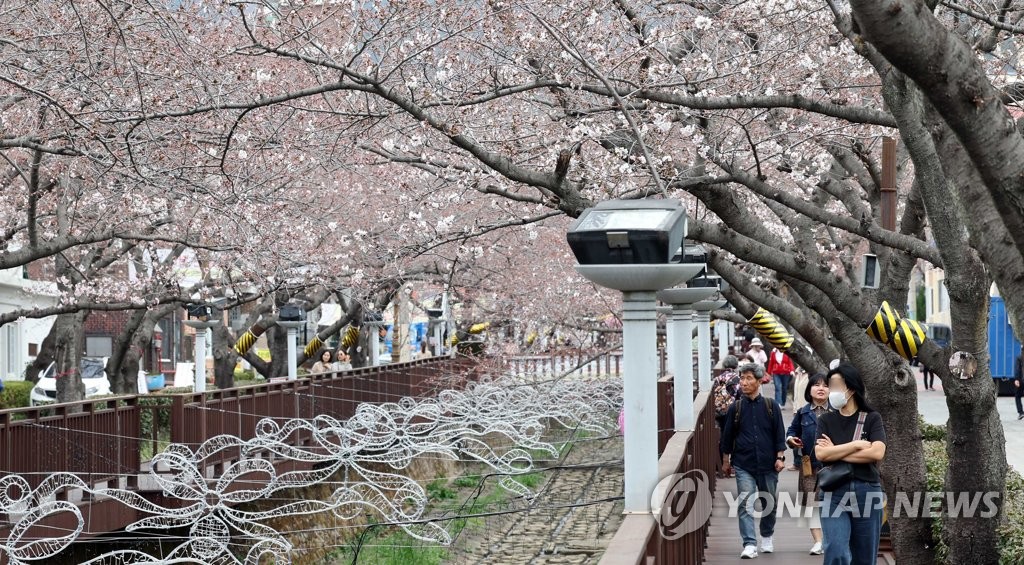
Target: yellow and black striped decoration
884 324
904 336
312 347
907 339
350 338
477 328
246 341
765 324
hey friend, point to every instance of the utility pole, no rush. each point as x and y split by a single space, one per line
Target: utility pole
888 201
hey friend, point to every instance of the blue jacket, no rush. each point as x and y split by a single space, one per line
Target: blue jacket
753 447
805 427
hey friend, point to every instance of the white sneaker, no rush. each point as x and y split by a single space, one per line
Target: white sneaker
749 552
816 548
766 545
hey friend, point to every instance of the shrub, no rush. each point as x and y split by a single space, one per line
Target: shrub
15 394
1011 530
931 432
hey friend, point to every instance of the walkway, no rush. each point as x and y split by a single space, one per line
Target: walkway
791 541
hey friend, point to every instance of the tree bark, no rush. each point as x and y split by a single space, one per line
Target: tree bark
975 443
123 364
68 356
954 81
224 357
47 349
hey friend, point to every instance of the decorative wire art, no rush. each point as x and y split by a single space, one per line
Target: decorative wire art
499 423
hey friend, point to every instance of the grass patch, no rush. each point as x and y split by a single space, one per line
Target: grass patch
393 548
467 481
438 490
529 480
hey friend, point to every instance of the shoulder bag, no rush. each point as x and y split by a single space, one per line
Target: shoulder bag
839 473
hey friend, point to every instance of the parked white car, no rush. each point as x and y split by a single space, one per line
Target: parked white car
94 377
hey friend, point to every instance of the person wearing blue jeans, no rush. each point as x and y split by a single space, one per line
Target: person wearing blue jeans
851 522
751 487
851 513
781 368
753 443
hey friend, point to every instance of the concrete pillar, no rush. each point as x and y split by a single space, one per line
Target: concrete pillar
640 392
200 372
703 320
292 354
682 355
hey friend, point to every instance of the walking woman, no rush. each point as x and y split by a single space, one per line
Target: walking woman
851 523
802 434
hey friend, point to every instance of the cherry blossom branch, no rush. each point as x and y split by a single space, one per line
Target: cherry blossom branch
487 229
996 23
865 227
853 114
637 134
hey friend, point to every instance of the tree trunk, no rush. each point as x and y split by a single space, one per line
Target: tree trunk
975 443
224 357
47 349
123 364
68 356
277 342
361 352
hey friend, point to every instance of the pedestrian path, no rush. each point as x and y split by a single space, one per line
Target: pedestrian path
792 541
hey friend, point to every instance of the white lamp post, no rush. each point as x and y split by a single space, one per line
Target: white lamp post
680 347
374 321
702 316
628 246
200 318
292 317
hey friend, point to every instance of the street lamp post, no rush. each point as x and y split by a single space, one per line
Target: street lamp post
201 317
158 342
292 317
628 246
680 327
702 317
373 322
436 323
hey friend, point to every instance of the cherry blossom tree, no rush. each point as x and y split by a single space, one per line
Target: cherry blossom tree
556 109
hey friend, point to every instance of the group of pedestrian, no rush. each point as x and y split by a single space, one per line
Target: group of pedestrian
842 440
342 362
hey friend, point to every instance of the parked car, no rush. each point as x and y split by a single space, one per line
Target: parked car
94 377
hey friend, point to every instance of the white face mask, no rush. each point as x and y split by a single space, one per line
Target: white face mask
837 400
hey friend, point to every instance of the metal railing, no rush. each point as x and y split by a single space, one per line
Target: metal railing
640 539
108 439
581 363
98 440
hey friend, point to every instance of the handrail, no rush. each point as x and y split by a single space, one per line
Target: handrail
109 437
639 540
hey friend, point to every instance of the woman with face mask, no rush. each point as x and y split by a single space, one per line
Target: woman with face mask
802 434
851 512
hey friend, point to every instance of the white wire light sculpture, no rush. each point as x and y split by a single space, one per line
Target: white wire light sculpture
499 423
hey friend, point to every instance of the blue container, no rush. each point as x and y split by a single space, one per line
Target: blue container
1003 346
155 382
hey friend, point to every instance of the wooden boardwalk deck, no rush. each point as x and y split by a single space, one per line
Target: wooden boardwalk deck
792 542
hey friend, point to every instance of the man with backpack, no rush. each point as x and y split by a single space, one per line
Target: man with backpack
754 444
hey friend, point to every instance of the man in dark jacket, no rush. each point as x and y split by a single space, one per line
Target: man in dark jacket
753 443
